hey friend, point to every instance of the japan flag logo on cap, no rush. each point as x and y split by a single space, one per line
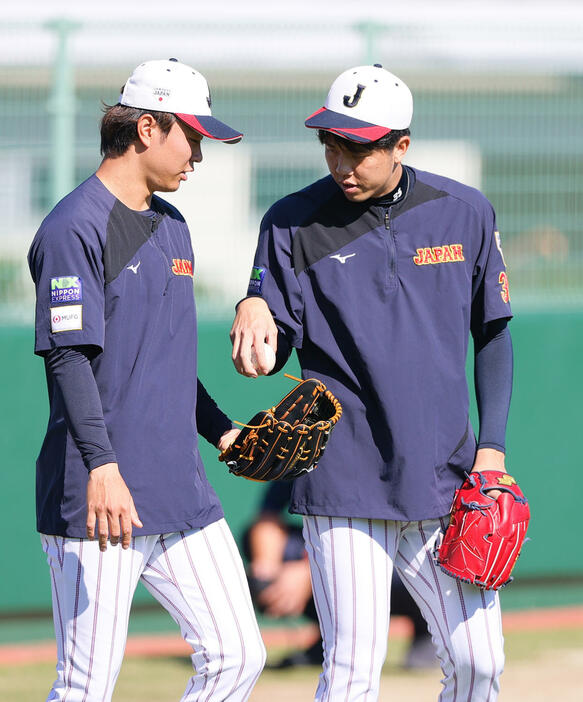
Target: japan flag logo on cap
171 86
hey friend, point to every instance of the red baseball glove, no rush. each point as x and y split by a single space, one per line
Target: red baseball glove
485 535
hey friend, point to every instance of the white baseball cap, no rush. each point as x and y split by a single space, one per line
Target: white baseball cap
168 85
364 104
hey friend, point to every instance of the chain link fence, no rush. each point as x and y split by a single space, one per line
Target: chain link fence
511 128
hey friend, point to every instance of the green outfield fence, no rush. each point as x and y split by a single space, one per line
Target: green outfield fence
510 128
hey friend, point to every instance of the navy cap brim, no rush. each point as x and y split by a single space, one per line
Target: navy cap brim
345 126
210 127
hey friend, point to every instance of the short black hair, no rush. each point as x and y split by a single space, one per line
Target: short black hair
388 142
119 127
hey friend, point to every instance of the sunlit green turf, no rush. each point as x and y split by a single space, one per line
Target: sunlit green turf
164 679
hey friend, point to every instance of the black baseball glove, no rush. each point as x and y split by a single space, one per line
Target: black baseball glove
287 440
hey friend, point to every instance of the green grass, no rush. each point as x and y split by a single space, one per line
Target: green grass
164 679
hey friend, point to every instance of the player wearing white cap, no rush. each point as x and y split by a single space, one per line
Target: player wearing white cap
122 495
377 275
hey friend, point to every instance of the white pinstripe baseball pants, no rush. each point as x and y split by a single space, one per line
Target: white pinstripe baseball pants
196 575
352 562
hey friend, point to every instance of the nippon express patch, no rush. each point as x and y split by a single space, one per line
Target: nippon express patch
67 288
256 280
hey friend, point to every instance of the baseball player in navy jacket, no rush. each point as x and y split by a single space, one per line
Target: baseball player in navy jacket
377 275
122 494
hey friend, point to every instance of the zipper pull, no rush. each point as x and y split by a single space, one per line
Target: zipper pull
387 219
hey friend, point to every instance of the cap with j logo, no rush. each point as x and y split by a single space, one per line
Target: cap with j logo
364 104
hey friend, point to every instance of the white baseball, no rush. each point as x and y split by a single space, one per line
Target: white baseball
269 357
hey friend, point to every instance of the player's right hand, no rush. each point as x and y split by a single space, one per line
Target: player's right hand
253 325
110 506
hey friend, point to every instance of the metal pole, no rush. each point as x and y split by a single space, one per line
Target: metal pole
61 107
370 32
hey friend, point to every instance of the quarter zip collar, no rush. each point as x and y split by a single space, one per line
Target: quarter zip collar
397 194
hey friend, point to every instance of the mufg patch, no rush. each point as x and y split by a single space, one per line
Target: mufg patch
66 318
256 280
67 288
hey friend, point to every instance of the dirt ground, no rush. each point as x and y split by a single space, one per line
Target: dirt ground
558 677
550 675
543 664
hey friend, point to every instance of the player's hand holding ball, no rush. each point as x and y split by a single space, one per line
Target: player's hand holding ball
269 362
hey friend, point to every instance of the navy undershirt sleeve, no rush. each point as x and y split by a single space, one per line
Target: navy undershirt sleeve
70 368
283 352
211 422
493 370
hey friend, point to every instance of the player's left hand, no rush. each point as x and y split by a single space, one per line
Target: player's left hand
227 438
485 534
489 459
